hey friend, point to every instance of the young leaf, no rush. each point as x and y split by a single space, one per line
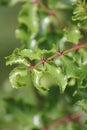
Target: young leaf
16 75
13 59
30 54
80 13
83 105
16 58
73 36
58 75
70 67
36 76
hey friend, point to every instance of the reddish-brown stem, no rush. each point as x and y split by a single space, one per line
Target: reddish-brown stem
57 54
45 128
44 7
51 58
77 47
51 13
43 61
62 121
35 1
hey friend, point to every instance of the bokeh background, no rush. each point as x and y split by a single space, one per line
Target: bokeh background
14 103
8 41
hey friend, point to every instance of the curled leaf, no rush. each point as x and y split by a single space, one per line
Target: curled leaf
16 60
30 54
36 77
17 77
58 75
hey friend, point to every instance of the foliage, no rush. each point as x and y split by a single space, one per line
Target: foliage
80 13
53 59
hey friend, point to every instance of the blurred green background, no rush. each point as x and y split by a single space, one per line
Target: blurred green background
14 103
8 41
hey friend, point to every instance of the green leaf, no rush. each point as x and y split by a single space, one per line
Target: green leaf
83 53
70 67
15 58
16 75
80 11
36 76
80 14
31 54
84 81
36 53
73 36
83 72
83 105
28 16
58 75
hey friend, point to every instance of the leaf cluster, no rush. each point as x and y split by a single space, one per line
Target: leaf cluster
80 13
44 31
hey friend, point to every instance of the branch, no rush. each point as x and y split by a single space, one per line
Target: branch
57 54
51 13
62 121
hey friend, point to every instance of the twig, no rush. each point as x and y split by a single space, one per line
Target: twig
57 54
62 121
51 13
